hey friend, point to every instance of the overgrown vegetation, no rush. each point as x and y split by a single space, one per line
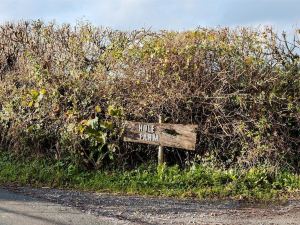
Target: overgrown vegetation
65 91
258 183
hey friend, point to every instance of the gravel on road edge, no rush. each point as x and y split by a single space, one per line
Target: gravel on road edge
150 210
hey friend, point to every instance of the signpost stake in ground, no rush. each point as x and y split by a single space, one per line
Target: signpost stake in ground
160 147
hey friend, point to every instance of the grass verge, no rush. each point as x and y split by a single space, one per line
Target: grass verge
197 181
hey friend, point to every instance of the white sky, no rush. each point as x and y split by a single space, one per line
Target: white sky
158 14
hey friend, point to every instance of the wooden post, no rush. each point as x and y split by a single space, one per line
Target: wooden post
160 148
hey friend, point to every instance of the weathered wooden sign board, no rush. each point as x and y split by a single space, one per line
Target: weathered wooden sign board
162 134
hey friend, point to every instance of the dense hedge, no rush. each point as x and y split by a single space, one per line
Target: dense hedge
65 91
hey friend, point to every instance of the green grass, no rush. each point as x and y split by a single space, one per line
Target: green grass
198 181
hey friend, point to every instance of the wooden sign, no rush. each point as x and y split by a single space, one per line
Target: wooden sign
163 134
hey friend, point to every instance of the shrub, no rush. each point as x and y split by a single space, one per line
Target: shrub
58 83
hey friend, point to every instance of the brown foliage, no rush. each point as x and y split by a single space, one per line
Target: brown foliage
240 86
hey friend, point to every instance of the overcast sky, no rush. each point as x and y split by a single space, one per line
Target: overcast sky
158 14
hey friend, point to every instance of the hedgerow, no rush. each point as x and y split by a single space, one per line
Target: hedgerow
65 91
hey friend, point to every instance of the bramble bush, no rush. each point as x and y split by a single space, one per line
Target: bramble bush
65 91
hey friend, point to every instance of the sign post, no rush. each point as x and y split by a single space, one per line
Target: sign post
160 148
161 134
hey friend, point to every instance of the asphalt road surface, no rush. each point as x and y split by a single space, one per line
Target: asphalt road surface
29 206
18 209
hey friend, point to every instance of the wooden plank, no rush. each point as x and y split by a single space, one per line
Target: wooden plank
171 135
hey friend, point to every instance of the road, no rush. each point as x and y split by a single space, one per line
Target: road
29 206
19 209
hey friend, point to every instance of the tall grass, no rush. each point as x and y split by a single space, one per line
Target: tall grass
198 181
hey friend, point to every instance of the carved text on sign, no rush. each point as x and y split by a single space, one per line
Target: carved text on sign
146 133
